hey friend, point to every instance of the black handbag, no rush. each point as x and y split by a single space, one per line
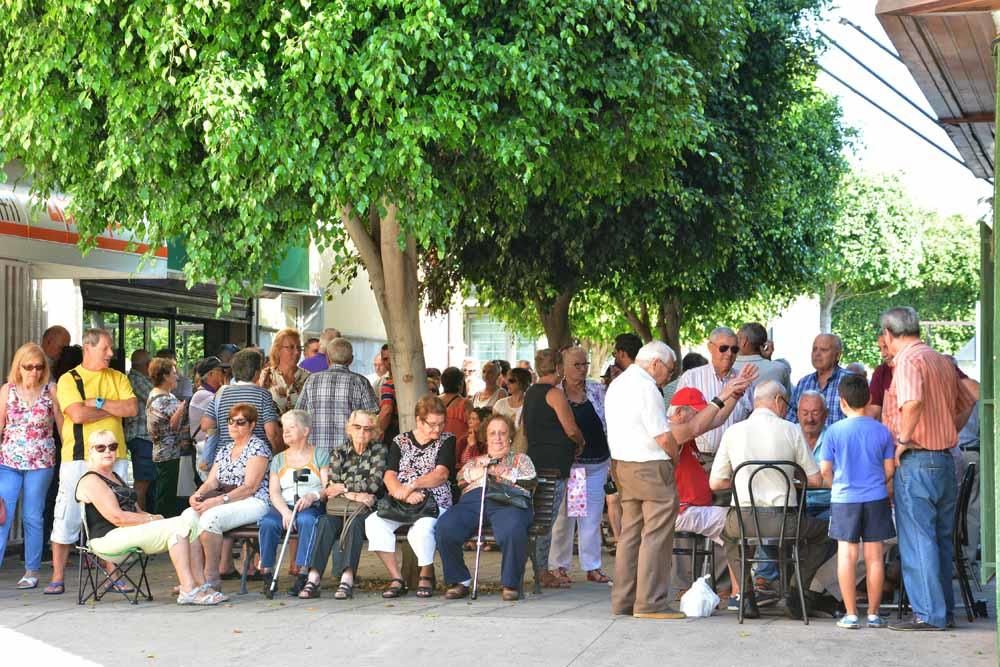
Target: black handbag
507 494
391 509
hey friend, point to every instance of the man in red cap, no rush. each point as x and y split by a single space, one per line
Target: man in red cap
696 513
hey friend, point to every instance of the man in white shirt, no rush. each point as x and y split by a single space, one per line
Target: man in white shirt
766 436
709 380
643 447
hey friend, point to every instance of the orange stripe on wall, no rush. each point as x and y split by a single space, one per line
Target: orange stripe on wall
8 228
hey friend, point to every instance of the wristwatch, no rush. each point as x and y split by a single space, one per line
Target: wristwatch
99 403
225 498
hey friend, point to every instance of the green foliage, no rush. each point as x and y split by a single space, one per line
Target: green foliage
946 288
238 125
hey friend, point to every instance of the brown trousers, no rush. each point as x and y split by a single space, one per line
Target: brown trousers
645 546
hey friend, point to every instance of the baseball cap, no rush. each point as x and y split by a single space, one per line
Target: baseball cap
689 397
209 364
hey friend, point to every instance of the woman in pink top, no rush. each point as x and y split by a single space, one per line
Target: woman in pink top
28 412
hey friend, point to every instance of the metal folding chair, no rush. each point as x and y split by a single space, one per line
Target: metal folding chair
960 540
95 581
699 547
784 541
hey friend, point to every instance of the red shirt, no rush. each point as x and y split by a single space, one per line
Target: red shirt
691 478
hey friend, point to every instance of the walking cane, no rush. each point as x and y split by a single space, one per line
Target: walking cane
299 476
479 535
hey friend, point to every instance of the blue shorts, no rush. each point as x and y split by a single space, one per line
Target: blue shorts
141 452
862 522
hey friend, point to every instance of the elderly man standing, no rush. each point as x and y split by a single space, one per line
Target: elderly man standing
826 352
318 362
709 380
330 397
925 407
140 445
644 447
54 340
766 436
93 397
752 337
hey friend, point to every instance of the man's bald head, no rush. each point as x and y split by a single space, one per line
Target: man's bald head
54 340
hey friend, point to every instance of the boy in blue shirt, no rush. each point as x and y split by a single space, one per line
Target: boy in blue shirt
857 462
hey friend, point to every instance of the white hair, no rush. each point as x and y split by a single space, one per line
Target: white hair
654 350
768 391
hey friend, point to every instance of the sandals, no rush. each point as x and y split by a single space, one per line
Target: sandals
395 591
55 588
564 576
456 592
26 582
426 591
510 595
201 596
550 579
345 591
598 577
310 591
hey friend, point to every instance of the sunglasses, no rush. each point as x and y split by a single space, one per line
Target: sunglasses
100 449
735 349
33 367
238 422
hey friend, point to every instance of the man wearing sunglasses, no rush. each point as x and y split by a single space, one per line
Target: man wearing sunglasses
93 397
709 380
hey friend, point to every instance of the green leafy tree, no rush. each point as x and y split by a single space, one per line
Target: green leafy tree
376 131
874 247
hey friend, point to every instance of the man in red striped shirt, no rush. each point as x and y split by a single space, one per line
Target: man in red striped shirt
925 406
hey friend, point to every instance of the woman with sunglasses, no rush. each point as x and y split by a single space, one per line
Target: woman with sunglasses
284 378
518 381
115 524
28 411
236 491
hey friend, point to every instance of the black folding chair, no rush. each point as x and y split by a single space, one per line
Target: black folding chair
95 581
784 542
960 540
699 548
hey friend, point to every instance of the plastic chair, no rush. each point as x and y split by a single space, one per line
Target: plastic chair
783 541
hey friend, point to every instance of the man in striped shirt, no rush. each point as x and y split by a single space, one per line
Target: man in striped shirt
925 407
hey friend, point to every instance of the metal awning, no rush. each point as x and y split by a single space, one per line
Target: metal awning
947 46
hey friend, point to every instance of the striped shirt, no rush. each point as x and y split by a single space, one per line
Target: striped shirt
705 380
330 397
831 396
241 392
921 374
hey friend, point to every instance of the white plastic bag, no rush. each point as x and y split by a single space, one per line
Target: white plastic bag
700 599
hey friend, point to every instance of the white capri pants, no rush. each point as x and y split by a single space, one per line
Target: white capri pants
561 552
708 521
381 534
225 517
67 520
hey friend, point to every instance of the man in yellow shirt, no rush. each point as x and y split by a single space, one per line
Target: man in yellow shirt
93 397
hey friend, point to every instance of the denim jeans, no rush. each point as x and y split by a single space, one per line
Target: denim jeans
769 571
36 486
272 534
926 491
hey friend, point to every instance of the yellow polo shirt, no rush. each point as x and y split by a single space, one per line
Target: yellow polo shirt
108 384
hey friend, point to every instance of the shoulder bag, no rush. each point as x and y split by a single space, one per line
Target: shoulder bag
507 494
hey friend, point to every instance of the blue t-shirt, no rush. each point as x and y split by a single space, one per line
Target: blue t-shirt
818 499
858 448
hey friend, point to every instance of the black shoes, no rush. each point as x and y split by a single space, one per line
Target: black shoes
914 626
749 604
300 582
793 606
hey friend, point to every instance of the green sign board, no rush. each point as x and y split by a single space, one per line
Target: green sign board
291 274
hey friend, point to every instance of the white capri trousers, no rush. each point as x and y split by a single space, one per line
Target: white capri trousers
561 552
381 534
225 517
153 537
67 520
708 521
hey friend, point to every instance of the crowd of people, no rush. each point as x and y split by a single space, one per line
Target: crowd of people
297 438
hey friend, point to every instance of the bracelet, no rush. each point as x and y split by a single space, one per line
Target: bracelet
718 402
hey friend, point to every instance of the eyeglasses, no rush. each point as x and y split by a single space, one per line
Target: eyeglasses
511 380
735 349
238 422
580 365
433 425
33 367
366 429
100 449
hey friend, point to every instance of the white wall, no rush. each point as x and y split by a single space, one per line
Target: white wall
793 332
60 302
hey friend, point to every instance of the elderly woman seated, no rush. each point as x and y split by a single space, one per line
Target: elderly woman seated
236 491
420 463
298 477
355 478
115 525
510 523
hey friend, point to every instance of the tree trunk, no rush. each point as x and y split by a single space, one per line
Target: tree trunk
598 353
668 324
639 321
555 319
392 269
827 300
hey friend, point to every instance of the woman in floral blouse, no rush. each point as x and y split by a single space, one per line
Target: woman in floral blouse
356 474
167 423
283 377
28 411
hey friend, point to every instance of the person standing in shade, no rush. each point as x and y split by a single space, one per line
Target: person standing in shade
752 338
319 362
167 423
826 351
925 407
140 445
644 448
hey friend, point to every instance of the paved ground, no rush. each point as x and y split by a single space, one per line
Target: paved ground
562 627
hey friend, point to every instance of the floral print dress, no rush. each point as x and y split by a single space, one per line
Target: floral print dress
28 443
